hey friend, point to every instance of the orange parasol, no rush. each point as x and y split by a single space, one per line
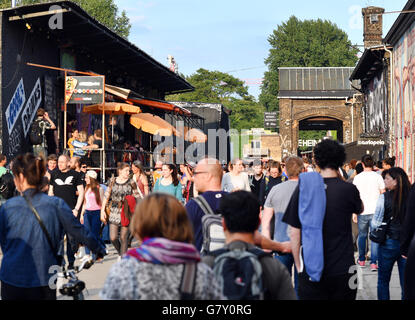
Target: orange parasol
194 135
153 124
113 108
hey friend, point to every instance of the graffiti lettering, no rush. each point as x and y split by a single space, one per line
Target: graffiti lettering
15 106
50 98
15 142
32 105
375 105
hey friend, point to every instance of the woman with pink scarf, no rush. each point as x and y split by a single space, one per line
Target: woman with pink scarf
155 269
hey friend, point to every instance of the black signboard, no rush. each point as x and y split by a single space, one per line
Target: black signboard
270 119
84 89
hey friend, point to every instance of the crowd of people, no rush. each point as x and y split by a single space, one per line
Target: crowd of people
284 229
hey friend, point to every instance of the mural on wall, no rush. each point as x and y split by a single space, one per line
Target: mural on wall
376 105
19 116
403 108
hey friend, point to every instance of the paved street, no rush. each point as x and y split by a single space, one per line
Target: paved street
95 278
96 275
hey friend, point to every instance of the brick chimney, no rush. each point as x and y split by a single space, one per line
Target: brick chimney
372 26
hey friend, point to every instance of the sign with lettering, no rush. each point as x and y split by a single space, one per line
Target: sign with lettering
307 143
270 120
15 106
84 89
370 142
32 105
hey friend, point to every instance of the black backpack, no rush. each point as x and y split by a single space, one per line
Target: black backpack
7 187
35 134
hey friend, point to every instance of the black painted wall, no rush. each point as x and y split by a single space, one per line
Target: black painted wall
19 46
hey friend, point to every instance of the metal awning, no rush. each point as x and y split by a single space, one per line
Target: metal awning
86 36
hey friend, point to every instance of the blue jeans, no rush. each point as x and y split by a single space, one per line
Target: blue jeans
364 225
288 261
92 221
389 253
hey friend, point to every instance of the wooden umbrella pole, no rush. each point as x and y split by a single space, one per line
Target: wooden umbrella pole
103 137
64 116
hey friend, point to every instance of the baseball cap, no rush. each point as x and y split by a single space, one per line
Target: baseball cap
92 174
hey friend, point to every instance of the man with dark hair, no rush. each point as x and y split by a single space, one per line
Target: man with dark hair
256 178
240 220
37 132
370 186
330 250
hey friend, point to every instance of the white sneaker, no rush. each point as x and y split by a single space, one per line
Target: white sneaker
80 253
86 258
119 258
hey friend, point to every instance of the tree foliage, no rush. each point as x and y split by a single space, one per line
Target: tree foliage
308 43
219 87
105 11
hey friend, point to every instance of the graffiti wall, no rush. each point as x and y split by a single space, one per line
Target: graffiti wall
403 101
376 105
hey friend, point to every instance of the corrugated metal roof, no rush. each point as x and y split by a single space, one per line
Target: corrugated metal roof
315 79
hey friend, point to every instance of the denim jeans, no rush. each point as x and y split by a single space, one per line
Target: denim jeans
288 261
92 221
389 253
364 225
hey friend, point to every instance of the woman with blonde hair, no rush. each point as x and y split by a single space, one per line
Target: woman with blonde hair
154 271
78 144
235 179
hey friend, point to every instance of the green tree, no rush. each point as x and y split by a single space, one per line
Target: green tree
105 11
219 87
308 43
213 87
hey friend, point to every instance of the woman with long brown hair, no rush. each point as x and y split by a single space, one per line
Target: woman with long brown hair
140 178
169 182
90 215
154 271
391 208
118 189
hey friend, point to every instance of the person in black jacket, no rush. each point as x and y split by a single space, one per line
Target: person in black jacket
268 182
275 177
408 231
409 282
256 178
389 252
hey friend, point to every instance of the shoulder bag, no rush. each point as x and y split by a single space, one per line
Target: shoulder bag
378 234
45 231
109 203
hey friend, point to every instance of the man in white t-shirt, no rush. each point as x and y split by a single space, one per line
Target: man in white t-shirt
370 186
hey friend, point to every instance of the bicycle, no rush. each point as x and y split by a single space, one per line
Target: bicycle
74 287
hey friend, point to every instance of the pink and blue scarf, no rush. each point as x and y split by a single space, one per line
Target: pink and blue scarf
164 251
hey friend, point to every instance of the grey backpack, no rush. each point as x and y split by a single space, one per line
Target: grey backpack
213 234
239 273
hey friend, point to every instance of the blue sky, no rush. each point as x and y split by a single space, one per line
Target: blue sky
230 35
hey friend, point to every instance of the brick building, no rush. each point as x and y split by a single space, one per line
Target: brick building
317 99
